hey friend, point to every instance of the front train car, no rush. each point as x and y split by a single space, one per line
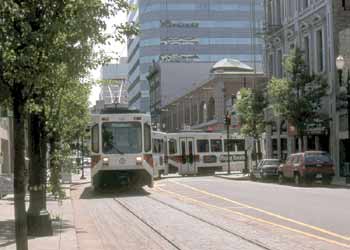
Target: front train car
121 149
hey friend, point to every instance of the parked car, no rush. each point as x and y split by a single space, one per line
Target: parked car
307 167
87 162
267 168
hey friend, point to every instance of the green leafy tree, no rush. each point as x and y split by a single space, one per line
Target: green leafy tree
250 108
297 98
36 38
67 119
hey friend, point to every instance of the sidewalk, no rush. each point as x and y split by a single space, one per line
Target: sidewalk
64 236
235 175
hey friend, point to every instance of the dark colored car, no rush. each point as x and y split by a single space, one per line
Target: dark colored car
307 167
267 168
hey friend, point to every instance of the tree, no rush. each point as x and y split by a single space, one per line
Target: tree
250 109
36 37
67 118
297 98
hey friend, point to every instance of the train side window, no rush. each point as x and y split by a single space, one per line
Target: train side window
172 146
230 145
203 146
95 139
240 145
147 138
216 145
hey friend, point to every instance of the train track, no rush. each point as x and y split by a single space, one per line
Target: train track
171 242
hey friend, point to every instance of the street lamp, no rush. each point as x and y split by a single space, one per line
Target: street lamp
340 65
340 62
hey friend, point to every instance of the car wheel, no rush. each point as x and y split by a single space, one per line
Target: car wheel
297 179
326 179
280 178
252 177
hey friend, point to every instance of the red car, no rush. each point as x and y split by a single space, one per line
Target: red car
307 167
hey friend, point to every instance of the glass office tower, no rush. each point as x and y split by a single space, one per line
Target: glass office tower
191 31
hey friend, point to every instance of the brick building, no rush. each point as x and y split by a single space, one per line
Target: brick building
204 105
321 28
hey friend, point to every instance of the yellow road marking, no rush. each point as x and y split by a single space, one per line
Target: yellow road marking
266 212
256 219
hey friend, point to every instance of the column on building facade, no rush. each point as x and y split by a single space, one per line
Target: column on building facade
268 140
219 97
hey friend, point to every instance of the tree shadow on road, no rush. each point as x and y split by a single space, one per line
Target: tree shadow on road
89 193
304 185
7 233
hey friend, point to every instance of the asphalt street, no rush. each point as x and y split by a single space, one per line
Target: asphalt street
213 213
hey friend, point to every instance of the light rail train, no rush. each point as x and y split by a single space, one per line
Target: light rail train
125 151
121 148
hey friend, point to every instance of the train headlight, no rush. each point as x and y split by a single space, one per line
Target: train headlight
138 160
105 161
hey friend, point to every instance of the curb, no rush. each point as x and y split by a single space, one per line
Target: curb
68 240
241 178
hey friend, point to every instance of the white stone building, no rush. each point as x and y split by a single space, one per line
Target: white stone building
321 28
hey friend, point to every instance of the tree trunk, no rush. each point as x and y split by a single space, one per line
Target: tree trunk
54 165
39 223
259 149
19 175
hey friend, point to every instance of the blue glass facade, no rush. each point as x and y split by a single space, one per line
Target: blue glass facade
190 30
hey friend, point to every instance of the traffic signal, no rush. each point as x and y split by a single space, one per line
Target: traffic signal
227 119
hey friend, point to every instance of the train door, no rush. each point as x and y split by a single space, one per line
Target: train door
188 164
165 155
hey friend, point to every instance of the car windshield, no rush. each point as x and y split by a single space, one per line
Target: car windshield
271 162
317 157
121 137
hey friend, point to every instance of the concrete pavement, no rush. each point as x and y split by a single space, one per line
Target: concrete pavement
64 235
193 213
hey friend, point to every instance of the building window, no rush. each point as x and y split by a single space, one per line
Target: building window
307 51
211 109
319 50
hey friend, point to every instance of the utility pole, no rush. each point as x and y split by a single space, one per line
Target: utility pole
82 158
228 123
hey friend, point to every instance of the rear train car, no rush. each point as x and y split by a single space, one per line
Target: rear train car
121 149
192 153
160 153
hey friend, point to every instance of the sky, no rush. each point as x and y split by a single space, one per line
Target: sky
114 47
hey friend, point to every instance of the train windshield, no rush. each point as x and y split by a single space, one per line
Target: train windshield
121 137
